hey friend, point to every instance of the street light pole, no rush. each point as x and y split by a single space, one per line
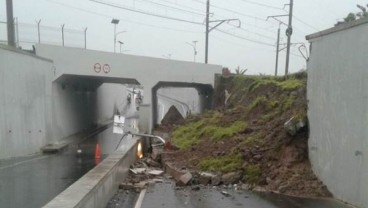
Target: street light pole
194 45
121 43
115 22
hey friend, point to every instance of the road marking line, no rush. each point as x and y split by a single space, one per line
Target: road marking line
138 204
19 163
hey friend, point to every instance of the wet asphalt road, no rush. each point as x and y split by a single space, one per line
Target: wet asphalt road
165 195
33 181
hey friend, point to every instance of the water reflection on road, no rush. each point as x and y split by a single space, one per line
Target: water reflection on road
33 181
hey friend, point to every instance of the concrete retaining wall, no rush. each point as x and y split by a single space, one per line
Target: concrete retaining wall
25 97
338 110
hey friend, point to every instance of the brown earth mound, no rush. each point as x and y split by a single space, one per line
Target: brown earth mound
247 135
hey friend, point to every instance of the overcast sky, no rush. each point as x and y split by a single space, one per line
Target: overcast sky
252 46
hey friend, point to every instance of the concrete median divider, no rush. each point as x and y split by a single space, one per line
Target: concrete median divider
96 188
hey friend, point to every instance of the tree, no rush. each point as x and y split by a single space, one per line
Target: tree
240 71
355 16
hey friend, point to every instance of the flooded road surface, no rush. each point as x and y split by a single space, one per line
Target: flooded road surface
33 181
165 195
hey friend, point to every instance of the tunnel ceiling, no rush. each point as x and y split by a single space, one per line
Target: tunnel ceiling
94 81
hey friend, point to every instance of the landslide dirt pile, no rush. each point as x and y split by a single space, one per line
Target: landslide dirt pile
246 135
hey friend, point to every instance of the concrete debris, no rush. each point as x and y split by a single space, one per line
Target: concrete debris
156 172
138 170
231 178
225 193
205 178
295 125
153 163
184 179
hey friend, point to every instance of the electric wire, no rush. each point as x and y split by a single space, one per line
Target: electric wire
144 12
171 7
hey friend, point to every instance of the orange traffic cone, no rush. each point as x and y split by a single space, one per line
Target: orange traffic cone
97 151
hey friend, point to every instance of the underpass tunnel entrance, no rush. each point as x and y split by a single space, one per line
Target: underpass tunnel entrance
82 102
188 98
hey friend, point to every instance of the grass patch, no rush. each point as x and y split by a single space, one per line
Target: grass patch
187 135
258 101
287 102
225 164
252 174
252 139
290 84
221 132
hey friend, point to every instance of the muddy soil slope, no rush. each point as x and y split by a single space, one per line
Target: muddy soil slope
246 135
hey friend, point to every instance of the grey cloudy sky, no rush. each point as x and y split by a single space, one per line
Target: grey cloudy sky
252 46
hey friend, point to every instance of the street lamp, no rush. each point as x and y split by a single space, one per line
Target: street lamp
194 45
121 43
115 22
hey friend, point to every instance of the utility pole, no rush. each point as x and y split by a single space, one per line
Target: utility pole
10 22
289 33
208 29
277 49
85 38
62 33
275 17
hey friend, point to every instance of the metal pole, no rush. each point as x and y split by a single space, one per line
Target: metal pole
289 32
38 30
195 50
10 21
85 38
277 50
16 23
207 30
62 33
114 38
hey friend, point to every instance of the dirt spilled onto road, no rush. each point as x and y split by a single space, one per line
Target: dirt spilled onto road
257 135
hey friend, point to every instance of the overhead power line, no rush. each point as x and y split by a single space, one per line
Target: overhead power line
244 38
111 17
171 7
145 13
260 4
184 6
305 23
232 11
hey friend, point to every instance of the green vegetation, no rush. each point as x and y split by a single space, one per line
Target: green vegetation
252 174
225 164
187 135
252 139
287 102
221 132
258 101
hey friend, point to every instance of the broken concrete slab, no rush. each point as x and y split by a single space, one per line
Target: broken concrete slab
156 172
184 179
138 170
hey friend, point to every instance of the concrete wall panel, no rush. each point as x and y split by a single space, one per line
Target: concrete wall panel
25 83
338 107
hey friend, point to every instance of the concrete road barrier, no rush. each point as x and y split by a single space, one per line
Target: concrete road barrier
98 186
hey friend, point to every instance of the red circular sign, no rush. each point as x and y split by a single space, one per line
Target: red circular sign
106 68
97 67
